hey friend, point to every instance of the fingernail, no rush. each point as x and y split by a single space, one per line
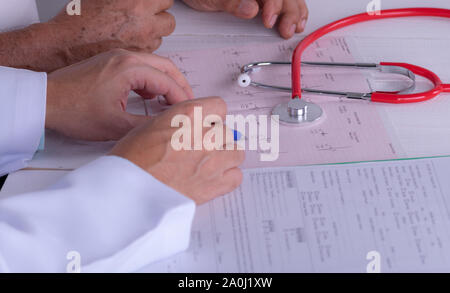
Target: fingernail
246 7
273 20
303 24
292 30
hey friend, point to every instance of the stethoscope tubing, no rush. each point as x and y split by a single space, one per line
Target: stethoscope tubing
247 69
364 17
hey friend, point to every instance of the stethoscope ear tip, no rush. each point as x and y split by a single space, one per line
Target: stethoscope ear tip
244 80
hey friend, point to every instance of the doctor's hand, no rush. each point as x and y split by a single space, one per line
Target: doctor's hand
201 175
88 100
290 15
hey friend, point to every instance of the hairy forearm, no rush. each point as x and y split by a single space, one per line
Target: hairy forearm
136 25
39 47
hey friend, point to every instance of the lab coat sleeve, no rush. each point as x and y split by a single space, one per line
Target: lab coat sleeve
108 216
22 116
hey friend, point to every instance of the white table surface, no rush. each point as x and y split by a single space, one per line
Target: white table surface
423 129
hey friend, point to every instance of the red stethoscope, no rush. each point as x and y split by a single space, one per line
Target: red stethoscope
299 111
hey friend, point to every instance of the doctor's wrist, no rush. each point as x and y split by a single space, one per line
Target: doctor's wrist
50 113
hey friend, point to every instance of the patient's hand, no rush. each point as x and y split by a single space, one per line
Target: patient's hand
88 100
291 15
198 174
137 25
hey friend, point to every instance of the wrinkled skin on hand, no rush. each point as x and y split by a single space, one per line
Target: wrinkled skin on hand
88 100
290 15
137 25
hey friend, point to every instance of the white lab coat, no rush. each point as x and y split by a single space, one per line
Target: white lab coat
112 214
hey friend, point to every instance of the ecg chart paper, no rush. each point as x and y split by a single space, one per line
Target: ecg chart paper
350 130
325 219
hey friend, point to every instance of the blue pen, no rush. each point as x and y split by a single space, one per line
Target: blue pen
237 135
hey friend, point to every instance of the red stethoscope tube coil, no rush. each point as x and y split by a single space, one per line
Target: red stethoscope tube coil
382 97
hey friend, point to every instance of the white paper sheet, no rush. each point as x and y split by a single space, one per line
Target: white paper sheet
326 219
421 129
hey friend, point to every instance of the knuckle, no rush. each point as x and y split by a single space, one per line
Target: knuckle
219 103
189 108
124 58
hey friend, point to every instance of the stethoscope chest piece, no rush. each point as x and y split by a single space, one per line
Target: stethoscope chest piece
298 111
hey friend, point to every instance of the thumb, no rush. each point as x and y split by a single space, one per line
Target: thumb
241 8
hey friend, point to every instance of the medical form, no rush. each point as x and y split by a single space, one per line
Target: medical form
326 219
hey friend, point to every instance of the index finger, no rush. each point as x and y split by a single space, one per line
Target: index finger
149 81
167 66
